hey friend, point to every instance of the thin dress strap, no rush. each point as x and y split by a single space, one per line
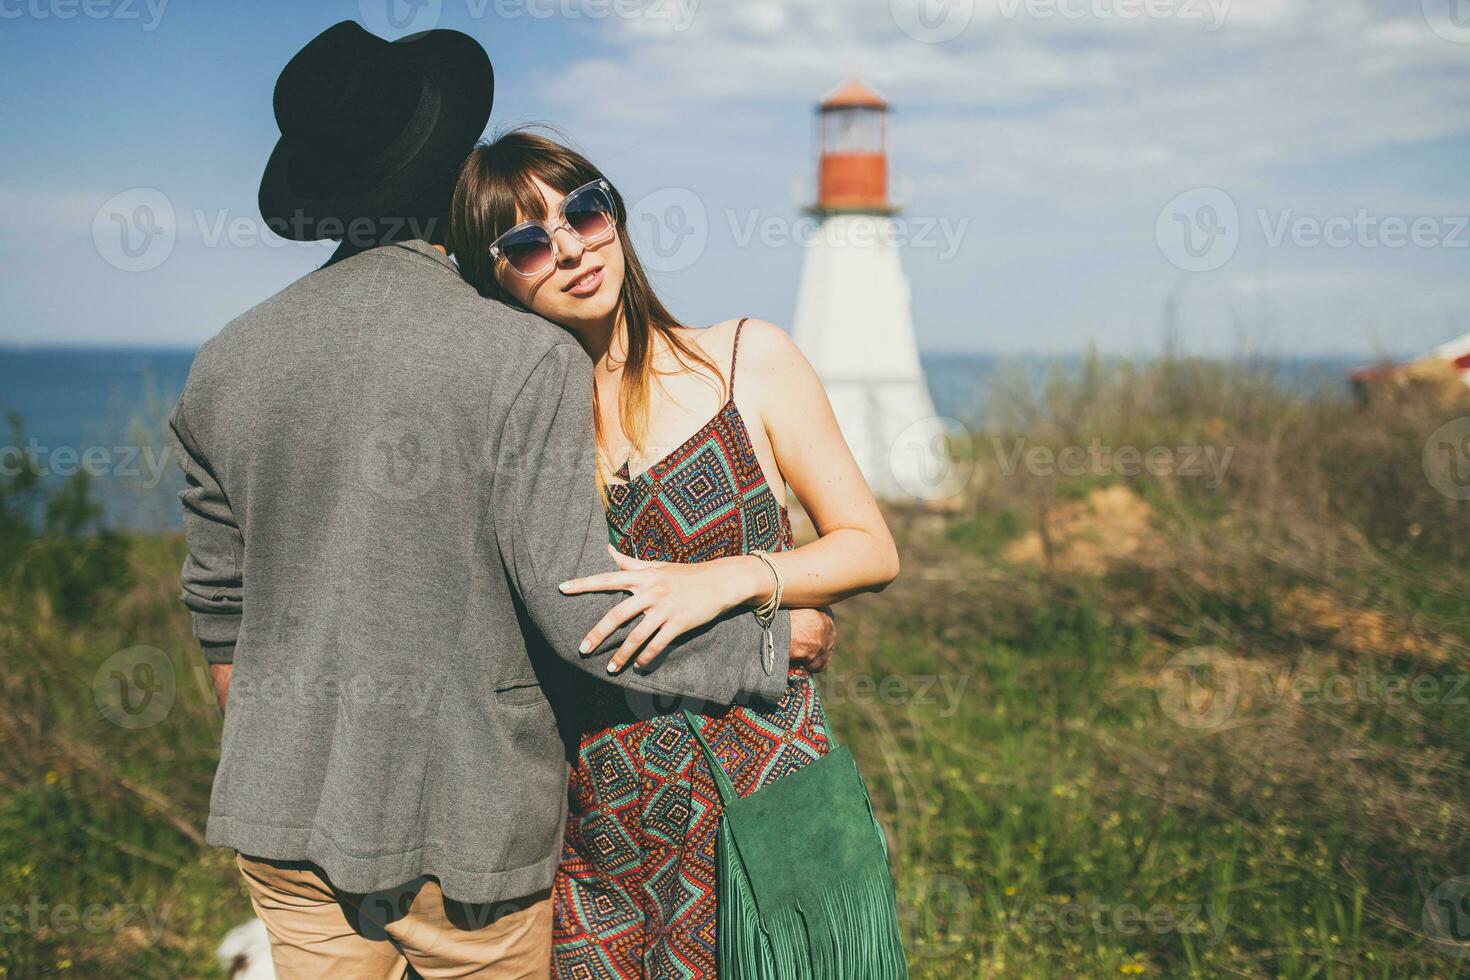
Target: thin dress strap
734 351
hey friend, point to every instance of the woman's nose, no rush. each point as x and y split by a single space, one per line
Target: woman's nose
568 247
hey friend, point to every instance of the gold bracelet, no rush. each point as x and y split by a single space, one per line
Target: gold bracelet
765 613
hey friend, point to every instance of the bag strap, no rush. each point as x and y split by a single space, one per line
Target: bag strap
723 786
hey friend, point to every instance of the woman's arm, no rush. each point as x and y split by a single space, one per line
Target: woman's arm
853 553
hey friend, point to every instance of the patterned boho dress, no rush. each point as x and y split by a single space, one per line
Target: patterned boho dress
635 891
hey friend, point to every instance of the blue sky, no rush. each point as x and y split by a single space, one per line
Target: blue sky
1286 176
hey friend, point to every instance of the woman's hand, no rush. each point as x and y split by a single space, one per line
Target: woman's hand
673 597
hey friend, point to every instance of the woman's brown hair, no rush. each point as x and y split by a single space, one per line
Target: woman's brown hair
495 192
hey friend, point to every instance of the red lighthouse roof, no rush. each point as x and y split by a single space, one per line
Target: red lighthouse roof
853 94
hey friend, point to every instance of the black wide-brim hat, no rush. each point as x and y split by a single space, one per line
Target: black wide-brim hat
371 128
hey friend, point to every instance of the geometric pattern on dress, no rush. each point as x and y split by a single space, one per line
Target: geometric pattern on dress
634 894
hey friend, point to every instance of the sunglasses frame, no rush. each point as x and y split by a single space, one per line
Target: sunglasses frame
498 254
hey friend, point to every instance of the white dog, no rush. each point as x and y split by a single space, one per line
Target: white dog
245 953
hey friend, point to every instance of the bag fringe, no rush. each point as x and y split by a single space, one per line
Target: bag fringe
801 942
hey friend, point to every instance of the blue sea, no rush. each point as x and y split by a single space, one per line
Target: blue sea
104 410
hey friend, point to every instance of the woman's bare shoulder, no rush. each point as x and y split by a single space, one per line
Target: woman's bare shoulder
766 355
715 340
764 340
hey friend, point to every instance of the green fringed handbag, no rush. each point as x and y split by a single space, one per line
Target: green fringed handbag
803 889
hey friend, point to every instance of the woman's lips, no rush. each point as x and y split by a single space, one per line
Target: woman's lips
588 284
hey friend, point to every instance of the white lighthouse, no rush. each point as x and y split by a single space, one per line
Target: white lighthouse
852 310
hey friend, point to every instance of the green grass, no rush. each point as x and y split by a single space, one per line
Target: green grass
1055 807
1060 823
101 857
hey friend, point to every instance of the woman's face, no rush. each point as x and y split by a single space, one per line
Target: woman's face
583 287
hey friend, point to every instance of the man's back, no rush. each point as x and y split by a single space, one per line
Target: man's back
351 423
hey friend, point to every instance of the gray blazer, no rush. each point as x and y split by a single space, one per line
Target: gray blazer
386 478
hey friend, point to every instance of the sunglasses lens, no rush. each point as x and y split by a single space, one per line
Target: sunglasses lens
528 251
589 213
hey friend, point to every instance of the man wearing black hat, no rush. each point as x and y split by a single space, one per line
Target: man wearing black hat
387 478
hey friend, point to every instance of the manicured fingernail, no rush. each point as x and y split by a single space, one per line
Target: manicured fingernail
612 668
587 646
563 586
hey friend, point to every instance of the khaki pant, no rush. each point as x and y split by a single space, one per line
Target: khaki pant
318 931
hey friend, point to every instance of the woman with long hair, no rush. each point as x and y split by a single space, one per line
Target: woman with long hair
694 460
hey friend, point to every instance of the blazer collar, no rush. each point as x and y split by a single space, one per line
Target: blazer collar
419 248
423 248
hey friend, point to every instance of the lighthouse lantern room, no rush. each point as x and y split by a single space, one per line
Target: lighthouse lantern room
852 139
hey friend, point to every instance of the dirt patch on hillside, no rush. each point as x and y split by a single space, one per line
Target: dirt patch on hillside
1090 536
1359 630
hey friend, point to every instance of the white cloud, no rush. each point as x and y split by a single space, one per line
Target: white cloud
1022 94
